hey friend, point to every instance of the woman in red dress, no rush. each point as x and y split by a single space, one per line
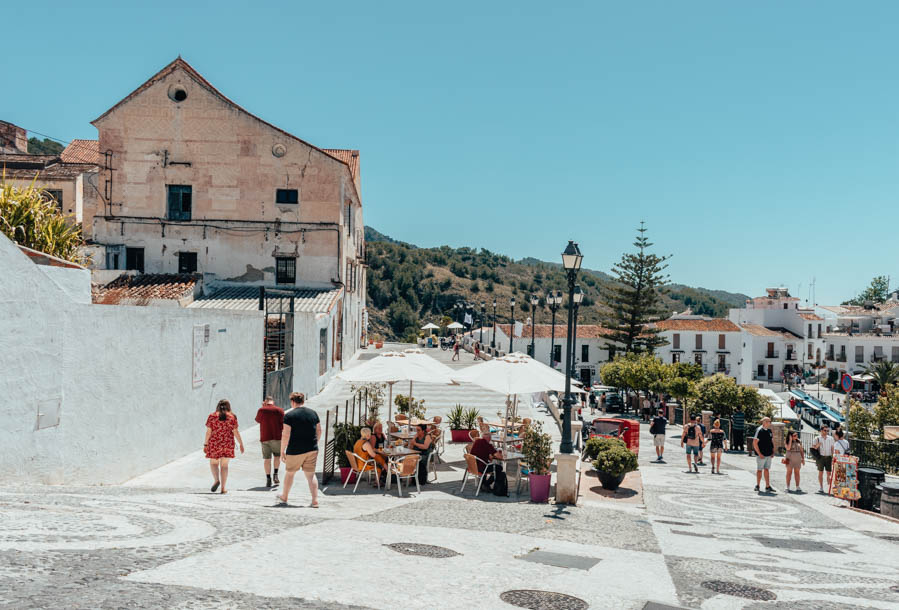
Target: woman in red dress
221 430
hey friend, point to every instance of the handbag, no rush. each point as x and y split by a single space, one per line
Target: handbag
784 461
816 453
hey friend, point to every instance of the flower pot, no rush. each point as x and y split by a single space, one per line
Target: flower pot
539 487
370 341
460 436
379 345
346 471
609 481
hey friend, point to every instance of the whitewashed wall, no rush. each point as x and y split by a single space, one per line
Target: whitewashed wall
120 378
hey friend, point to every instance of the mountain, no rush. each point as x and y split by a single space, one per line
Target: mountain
408 286
44 147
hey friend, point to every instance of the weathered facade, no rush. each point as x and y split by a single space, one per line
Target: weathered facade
194 184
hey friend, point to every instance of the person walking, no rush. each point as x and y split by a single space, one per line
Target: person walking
824 459
270 418
477 351
840 444
717 444
739 423
692 436
455 350
763 445
221 430
299 446
795 459
704 436
657 429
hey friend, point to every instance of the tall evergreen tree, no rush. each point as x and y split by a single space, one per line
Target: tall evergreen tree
634 299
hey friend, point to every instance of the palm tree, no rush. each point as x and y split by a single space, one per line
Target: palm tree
883 373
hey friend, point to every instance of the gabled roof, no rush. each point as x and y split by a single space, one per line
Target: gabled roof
81 151
350 157
763 331
179 63
810 316
143 288
719 325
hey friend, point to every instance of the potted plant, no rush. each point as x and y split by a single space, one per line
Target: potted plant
538 453
471 419
612 462
457 424
412 407
598 444
378 342
345 437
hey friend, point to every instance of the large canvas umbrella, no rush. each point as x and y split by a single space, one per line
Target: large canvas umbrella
391 367
455 326
514 374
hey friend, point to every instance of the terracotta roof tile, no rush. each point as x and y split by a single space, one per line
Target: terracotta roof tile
350 157
762 331
810 316
544 331
136 289
81 151
698 324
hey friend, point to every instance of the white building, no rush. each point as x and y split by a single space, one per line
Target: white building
590 349
714 343
860 335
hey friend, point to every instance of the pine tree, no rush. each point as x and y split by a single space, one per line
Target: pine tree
634 298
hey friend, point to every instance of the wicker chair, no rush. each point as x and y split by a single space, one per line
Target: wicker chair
405 469
471 469
360 467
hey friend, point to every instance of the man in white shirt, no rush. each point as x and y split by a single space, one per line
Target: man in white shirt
824 461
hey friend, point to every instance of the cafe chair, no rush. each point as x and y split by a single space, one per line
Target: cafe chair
360 467
405 469
471 469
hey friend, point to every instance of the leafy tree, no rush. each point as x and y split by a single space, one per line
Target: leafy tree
876 292
688 370
860 421
634 298
683 389
401 318
886 411
884 373
722 395
30 217
44 147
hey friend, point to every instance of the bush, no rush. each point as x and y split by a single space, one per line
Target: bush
413 407
456 418
471 419
599 444
345 437
537 449
616 461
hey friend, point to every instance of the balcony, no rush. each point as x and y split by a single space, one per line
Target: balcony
877 358
791 356
772 354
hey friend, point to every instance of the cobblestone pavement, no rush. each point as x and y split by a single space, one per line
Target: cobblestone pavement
699 541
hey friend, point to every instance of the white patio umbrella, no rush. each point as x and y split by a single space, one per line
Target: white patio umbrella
455 326
391 367
514 374
430 326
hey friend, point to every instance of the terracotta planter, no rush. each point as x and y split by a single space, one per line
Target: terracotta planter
379 345
346 471
539 485
460 436
609 481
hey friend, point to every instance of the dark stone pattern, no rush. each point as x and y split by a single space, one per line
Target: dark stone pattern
739 590
422 550
542 600
793 544
560 560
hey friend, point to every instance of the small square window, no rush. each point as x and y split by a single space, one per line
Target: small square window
134 259
287 196
179 201
187 262
285 270
56 195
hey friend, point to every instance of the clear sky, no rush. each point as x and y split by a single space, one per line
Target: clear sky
759 140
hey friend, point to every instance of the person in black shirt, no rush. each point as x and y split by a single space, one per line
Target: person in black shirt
299 446
763 445
739 421
657 429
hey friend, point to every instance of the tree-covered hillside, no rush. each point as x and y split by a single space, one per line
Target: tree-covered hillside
408 286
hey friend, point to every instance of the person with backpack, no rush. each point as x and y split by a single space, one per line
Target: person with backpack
657 429
840 445
701 425
763 444
692 436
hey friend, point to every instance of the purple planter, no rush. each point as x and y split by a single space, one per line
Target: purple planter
346 471
539 484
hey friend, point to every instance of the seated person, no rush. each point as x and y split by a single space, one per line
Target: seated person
423 443
484 450
434 430
364 449
378 438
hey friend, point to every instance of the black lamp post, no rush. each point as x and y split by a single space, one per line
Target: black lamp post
571 261
493 340
534 302
554 299
578 297
483 316
511 321
470 307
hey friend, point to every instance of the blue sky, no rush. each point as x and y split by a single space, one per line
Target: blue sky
759 140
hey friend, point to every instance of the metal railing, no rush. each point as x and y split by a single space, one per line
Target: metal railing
772 354
883 455
841 358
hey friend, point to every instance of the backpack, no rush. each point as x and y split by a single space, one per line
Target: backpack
652 427
500 484
691 431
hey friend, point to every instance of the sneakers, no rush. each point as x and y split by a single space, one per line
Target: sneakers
275 479
756 487
696 467
268 480
770 490
799 491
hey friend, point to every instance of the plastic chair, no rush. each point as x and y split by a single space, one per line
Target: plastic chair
471 469
405 469
432 465
369 466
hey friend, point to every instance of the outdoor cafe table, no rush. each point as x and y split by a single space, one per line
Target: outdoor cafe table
393 455
403 436
512 456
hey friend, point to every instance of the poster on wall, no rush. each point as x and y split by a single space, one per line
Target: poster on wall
844 481
199 353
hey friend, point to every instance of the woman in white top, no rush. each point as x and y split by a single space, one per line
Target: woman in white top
841 445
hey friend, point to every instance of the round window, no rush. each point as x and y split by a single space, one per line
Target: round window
177 93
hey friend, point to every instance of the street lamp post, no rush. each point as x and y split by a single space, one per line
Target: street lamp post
554 299
511 321
493 340
470 307
534 302
578 297
483 315
571 261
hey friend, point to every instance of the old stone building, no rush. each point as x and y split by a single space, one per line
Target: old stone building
194 184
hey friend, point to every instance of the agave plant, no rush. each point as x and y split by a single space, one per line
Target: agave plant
29 217
883 372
